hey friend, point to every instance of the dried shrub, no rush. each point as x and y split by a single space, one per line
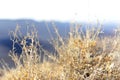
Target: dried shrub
83 56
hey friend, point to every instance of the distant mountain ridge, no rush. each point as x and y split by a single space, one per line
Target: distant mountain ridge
63 27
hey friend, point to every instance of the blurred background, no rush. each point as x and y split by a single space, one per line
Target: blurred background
42 13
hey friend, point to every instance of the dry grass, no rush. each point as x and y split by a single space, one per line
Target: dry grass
84 56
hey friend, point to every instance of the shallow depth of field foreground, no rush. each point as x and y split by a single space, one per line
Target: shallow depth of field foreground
84 55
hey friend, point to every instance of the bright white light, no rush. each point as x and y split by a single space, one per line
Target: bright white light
63 10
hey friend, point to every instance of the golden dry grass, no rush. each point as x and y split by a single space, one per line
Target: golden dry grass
83 56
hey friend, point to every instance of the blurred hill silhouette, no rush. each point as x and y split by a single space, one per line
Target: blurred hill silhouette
42 26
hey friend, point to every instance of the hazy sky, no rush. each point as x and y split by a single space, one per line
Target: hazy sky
61 10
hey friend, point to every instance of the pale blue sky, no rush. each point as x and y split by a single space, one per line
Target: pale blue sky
61 10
